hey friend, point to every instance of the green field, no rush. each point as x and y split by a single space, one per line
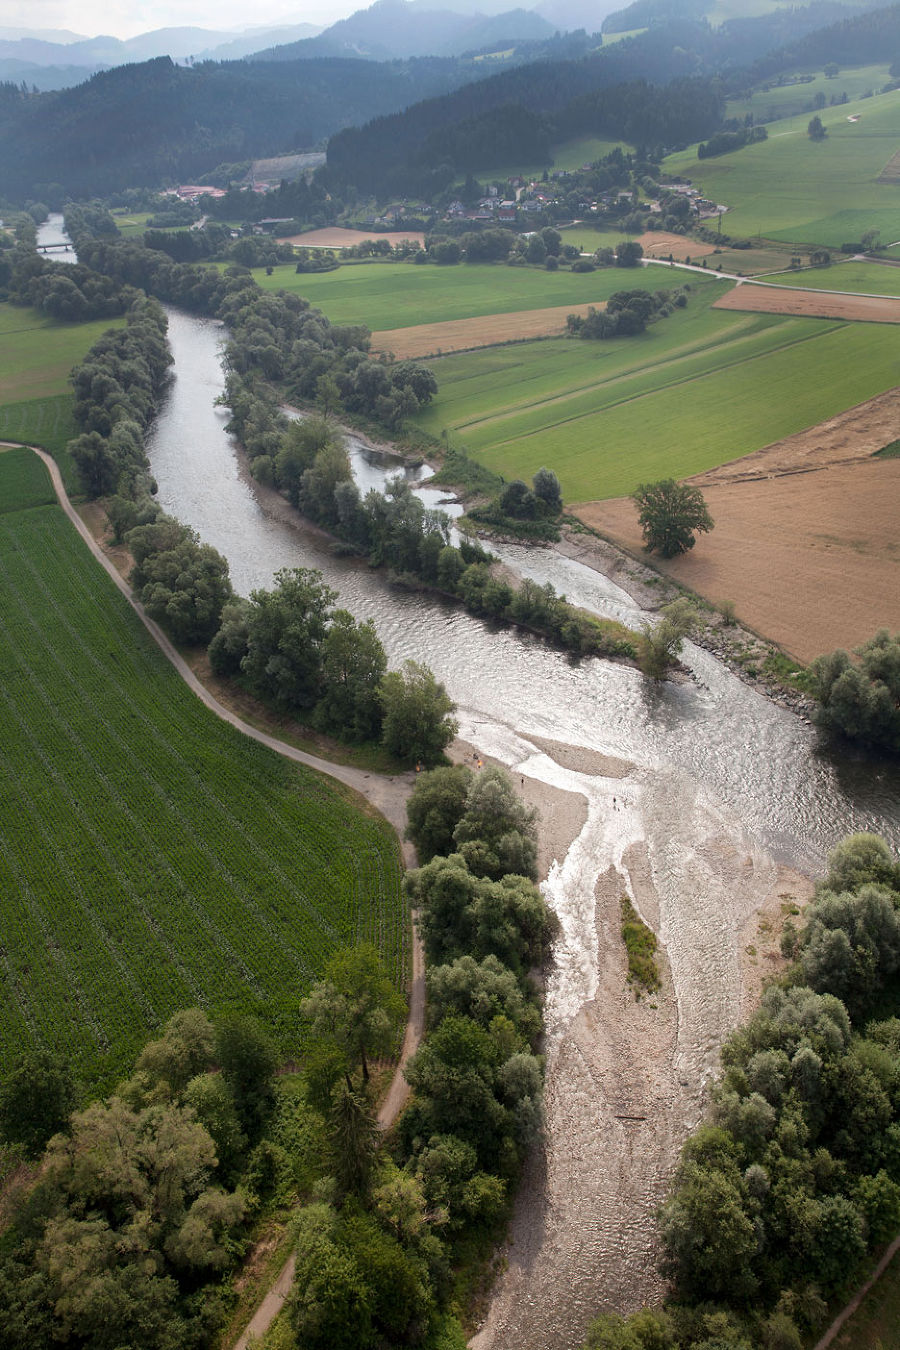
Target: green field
869 278
47 422
792 189
792 99
398 295
37 352
151 857
133 224
567 155
697 389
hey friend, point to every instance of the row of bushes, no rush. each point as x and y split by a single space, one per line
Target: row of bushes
795 1174
861 700
117 390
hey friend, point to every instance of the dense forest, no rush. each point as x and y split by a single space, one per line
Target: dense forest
157 122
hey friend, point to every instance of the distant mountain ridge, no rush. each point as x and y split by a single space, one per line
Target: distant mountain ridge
178 43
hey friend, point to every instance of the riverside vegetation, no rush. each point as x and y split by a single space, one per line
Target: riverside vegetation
132 1233
795 1174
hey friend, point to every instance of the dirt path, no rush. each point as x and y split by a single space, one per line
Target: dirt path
387 794
846 1313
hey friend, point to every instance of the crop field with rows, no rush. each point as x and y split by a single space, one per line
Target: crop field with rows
151 857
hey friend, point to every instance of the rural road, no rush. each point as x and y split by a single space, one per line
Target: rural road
387 794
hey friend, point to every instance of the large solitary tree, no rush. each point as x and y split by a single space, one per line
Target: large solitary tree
670 515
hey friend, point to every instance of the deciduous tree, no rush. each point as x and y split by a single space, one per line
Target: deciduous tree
418 714
671 515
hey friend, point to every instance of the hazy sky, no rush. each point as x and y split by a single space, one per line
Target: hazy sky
127 18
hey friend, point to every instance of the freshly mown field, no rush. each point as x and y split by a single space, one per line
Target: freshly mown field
696 390
398 295
37 352
809 558
793 189
870 278
151 857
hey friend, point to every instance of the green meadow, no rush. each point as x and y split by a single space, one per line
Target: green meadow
793 100
698 389
399 295
791 189
132 225
567 155
151 857
37 352
867 277
47 422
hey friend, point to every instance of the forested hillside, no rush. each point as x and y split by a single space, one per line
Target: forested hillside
156 122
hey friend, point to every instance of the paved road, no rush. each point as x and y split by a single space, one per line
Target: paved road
387 794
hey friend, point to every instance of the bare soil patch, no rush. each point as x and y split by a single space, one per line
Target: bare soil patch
334 237
461 335
810 560
811 304
891 171
760 953
659 244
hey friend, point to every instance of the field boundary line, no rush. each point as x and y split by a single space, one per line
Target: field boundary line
387 794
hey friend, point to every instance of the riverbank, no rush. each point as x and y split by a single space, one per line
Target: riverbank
755 660
626 1076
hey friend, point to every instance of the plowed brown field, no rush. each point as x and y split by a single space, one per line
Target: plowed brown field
811 304
806 543
659 244
461 335
811 560
334 237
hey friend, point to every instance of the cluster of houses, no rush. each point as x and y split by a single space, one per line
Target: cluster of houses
518 198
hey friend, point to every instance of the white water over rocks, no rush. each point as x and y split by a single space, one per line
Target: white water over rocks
713 788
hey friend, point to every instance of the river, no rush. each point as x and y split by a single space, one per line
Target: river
53 232
693 797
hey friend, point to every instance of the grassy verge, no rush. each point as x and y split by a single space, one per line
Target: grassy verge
153 857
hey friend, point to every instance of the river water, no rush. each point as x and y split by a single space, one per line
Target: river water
52 232
694 798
